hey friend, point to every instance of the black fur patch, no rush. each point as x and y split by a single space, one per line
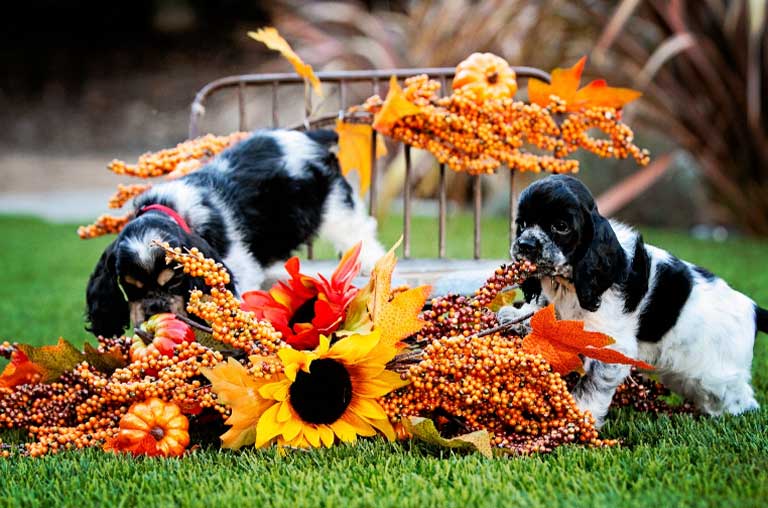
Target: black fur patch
636 284
761 319
671 289
706 274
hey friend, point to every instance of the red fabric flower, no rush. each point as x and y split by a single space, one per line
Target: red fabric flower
302 308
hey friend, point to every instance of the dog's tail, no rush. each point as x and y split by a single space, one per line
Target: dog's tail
761 319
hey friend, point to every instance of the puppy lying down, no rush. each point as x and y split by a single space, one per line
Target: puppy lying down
251 206
696 330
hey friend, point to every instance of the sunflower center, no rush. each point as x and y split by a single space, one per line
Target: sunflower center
305 313
323 395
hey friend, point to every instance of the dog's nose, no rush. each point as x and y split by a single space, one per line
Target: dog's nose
153 307
527 246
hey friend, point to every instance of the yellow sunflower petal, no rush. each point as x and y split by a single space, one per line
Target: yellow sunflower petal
294 361
268 427
312 435
361 426
276 391
385 427
285 413
344 431
323 346
291 428
326 435
350 350
379 386
366 408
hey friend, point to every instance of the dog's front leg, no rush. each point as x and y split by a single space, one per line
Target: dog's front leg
594 391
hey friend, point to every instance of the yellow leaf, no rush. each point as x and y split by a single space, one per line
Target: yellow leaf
399 318
395 107
273 40
355 150
424 429
395 318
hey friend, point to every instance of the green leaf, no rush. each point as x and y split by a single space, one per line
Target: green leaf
106 362
504 298
53 361
424 429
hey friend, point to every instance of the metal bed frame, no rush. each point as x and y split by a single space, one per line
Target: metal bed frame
340 81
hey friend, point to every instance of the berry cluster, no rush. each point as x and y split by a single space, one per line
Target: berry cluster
180 160
490 383
104 225
477 137
125 193
647 395
229 323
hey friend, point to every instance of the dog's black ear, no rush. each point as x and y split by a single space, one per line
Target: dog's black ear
531 288
602 264
107 310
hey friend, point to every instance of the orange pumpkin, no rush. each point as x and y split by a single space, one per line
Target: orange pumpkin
485 76
154 428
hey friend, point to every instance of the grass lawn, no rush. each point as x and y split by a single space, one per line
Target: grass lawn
664 461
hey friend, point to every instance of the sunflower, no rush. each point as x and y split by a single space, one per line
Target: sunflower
324 394
303 307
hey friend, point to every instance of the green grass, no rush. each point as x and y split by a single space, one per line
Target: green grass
665 461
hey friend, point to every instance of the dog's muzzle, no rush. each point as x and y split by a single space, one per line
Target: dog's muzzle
534 245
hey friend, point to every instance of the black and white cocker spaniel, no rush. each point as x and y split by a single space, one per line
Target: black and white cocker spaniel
696 330
249 207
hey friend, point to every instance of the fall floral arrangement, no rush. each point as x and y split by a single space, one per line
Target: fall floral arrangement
309 363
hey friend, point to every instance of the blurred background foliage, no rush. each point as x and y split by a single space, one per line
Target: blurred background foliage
115 79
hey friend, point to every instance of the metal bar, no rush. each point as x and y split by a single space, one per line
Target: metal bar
241 125
275 117
374 173
407 204
310 249
477 205
442 214
343 94
512 209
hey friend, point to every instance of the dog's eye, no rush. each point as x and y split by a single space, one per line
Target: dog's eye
133 282
561 227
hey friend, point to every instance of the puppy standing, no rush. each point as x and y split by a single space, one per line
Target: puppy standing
251 206
696 330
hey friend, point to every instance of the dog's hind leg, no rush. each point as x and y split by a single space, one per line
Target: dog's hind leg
345 223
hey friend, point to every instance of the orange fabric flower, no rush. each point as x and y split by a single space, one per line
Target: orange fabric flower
303 307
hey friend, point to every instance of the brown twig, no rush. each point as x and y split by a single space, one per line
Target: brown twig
502 328
194 324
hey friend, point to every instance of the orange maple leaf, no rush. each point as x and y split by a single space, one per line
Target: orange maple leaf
561 342
565 85
355 150
273 40
19 371
395 107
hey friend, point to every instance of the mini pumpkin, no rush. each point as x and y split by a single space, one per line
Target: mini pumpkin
485 76
154 428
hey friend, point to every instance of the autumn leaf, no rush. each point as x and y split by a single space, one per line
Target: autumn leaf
53 361
235 387
561 342
503 299
106 361
355 150
273 40
395 107
424 429
565 85
398 319
19 371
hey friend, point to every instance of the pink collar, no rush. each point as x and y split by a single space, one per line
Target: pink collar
169 212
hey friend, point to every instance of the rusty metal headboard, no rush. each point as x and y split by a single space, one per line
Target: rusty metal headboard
340 80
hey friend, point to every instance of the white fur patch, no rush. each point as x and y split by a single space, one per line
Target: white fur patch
186 201
344 227
141 245
247 271
297 150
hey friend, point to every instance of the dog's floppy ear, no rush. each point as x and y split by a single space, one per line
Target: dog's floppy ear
107 310
602 264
